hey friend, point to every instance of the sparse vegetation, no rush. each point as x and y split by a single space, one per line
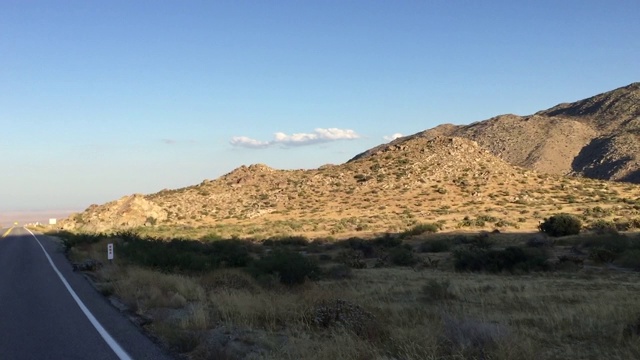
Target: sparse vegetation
265 294
290 267
561 225
421 229
511 259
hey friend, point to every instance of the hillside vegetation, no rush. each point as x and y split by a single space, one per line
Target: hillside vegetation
598 137
445 180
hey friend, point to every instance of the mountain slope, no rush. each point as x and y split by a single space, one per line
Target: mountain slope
597 137
449 180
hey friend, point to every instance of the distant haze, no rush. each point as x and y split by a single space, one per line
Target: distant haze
25 217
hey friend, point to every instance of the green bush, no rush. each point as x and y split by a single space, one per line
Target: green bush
387 241
286 240
365 246
185 255
435 246
510 259
403 256
561 225
480 241
601 226
612 242
70 240
292 268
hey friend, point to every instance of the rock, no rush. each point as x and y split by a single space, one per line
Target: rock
343 313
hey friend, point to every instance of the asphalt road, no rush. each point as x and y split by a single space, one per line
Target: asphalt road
39 317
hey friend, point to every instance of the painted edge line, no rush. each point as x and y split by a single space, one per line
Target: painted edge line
7 233
113 344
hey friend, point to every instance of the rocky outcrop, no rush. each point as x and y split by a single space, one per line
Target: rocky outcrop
127 212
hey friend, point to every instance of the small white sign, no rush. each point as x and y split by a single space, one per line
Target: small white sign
52 221
110 252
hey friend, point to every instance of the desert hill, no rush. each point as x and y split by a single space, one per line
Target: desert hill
450 181
598 137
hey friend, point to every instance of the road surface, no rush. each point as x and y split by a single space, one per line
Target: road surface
39 317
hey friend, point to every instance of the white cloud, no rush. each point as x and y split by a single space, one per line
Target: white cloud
318 135
248 142
392 137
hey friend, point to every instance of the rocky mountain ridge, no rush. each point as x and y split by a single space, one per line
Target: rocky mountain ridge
598 137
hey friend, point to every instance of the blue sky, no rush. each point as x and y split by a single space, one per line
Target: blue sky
100 99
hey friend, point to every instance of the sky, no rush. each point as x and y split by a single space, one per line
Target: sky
102 99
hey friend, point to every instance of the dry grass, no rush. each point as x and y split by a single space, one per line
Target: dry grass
578 315
144 289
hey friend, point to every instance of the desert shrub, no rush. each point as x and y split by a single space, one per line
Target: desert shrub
403 256
561 225
421 229
468 222
352 258
540 241
365 246
601 226
487 218
630 259
612 242
435 246
70 240
634 223
510 259
622 225
212 237
325 257
290 267
601 255
339 272
127 235
597 211
185 255
286 240
387 241
504 224
228 253
480 241
612 247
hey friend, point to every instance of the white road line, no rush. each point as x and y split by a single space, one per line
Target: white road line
119 351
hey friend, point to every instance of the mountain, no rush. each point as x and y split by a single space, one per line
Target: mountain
451 181
598 137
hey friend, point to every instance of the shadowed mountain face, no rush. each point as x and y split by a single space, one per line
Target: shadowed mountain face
597 137
607 111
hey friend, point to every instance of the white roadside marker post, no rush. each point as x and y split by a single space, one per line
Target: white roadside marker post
110 253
